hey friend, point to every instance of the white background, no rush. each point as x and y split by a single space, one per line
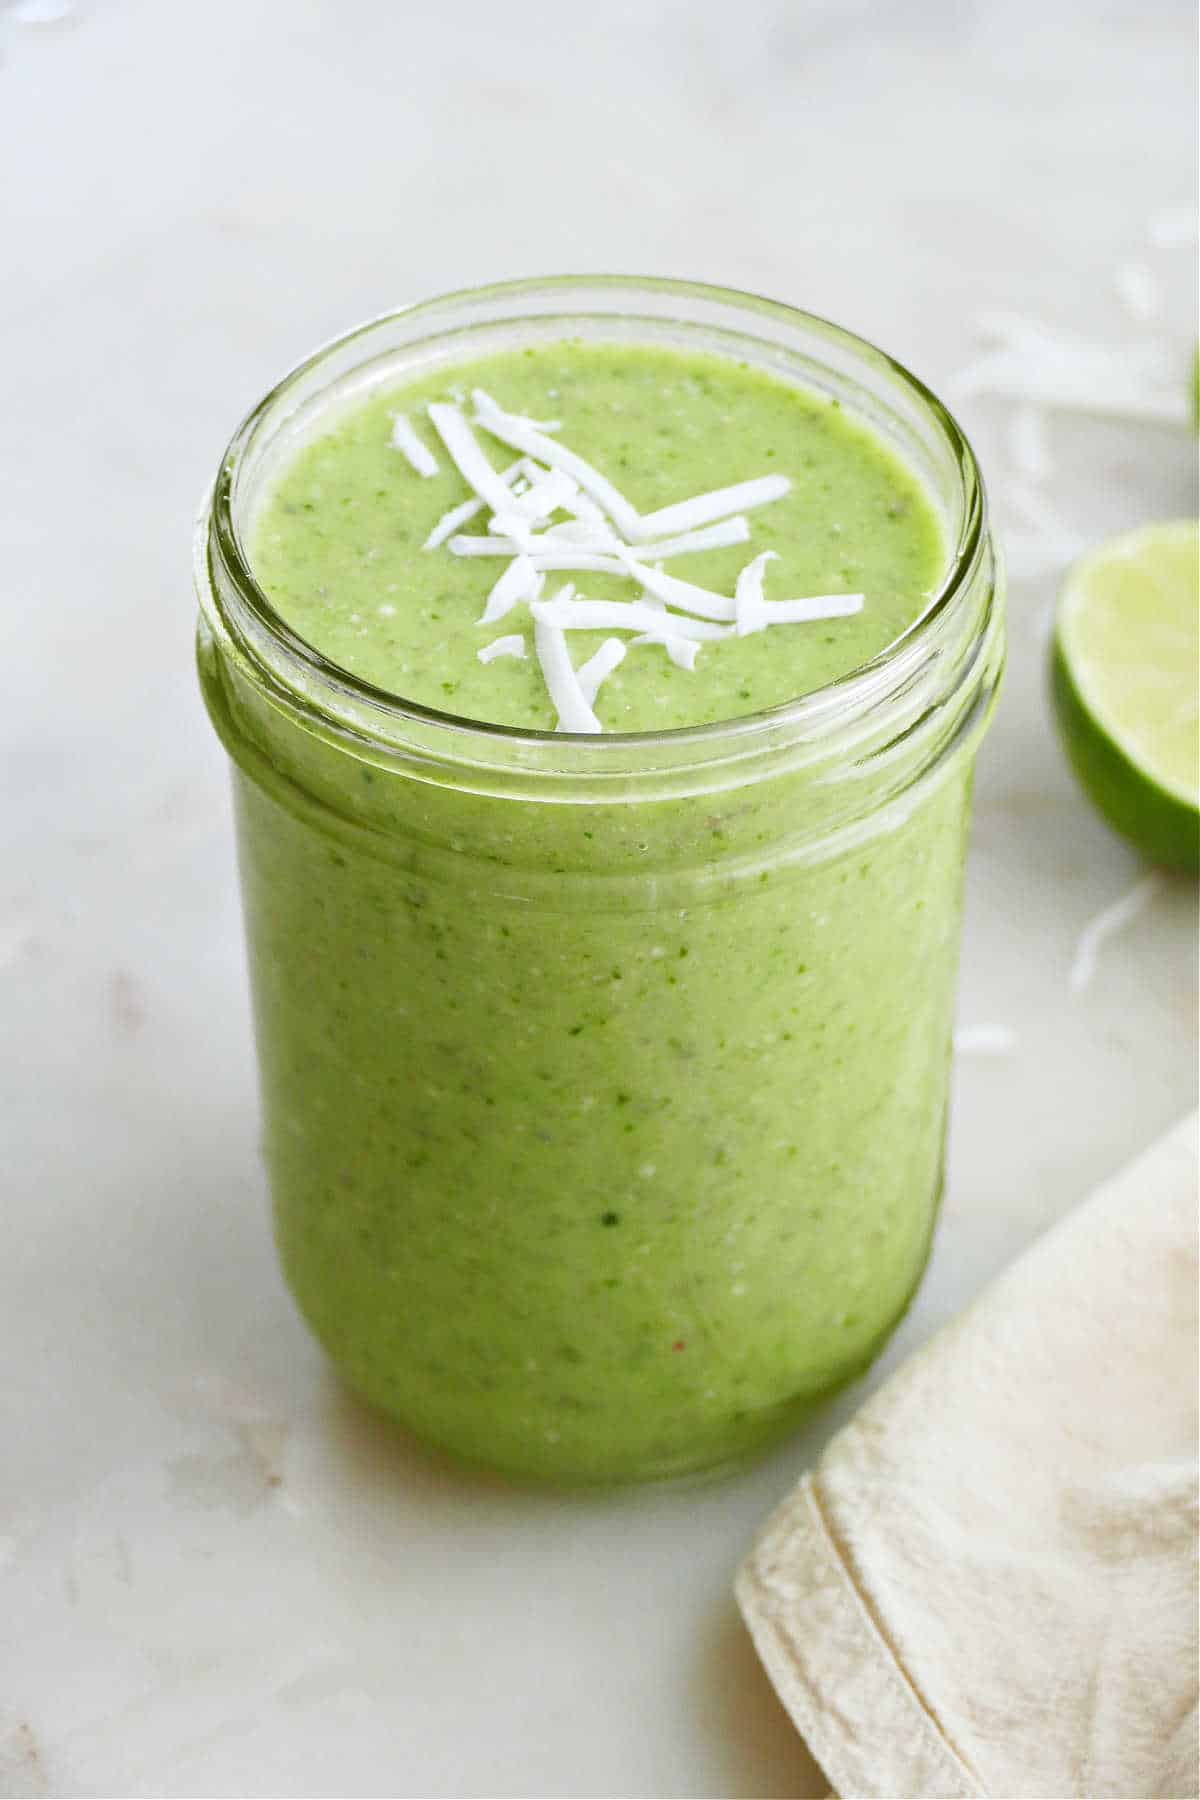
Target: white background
218 1575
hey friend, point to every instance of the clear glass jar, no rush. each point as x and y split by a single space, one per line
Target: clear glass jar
604 1079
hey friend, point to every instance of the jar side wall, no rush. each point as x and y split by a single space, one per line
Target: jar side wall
582 848
604 1081
717 1126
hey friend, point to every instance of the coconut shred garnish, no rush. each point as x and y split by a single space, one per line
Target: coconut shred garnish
551 512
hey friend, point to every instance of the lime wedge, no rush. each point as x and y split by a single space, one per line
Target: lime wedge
1125 676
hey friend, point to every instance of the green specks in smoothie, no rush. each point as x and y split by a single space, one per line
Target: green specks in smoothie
687 424
610 1219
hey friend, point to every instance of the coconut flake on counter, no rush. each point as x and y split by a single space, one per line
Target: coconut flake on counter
1048 540
1028 443
1107 924
1036 363
1138 290
984 1040
417 454
513 645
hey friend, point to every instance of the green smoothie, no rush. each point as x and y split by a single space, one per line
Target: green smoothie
339 548
604 1133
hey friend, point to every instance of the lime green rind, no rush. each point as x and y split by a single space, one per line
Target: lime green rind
1111 640
1164 828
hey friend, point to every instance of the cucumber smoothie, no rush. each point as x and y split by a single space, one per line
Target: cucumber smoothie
604 1061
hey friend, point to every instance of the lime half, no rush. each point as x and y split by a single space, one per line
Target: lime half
1125 677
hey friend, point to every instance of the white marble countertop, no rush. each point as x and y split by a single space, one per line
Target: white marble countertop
218 1576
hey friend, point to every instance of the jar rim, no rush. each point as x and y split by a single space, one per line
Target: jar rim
241 613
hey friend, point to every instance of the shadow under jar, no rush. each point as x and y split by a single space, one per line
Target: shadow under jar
604 1079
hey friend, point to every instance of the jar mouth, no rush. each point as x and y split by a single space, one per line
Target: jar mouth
242 617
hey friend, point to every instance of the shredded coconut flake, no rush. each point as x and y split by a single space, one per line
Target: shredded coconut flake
1138 291
467 457
503 646
674 592
622 615
583 548
748 598
1054 532
558 671
1028 555
687 514
550 491
599 667
1028 444
984 1040
584 534
524 435
1105 925
599 535
1036 363
520 581
754 613
484 545
1115 392
809 608
450 522
510 527
43 12
681 651
584 509
467 509
417 454
711 537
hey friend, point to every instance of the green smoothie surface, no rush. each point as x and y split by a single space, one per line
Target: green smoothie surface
337 543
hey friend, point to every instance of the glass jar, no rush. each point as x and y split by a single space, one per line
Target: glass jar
604 1080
